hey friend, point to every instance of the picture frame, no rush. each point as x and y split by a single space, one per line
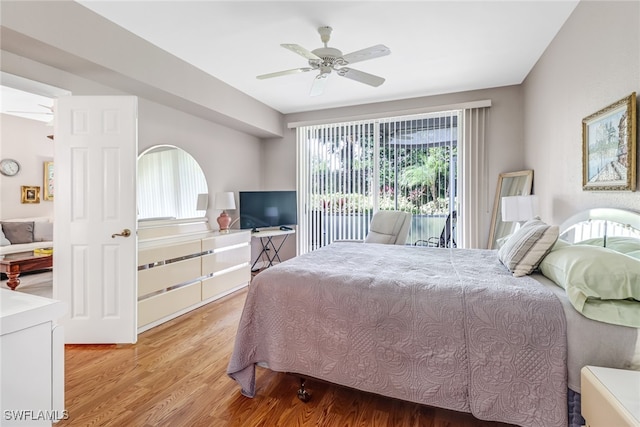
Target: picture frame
48 182
609 147
30 194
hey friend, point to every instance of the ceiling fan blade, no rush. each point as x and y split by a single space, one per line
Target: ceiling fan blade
318 84
29 112
301 51
368 53
284 73
361 76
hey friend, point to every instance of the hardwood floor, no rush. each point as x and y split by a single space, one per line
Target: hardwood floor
176 376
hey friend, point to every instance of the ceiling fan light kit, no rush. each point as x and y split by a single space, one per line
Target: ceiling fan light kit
327 59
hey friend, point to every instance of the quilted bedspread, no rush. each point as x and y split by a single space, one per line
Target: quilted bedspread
449 328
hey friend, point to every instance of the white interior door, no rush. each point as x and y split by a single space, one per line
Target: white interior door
94 269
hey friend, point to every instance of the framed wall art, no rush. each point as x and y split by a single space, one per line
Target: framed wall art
609 147
48 181
30 194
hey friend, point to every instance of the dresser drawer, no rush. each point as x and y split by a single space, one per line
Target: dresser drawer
225 240
163 253
224 259
167 303
164 276
218 285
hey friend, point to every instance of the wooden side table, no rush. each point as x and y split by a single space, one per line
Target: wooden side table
610 397
14 264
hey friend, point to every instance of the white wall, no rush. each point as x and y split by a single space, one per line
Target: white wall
26 141
593 61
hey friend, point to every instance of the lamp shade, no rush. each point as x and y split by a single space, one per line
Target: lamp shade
203 202
225 200
519 208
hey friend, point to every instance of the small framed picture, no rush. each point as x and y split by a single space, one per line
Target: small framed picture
30 194
48 181
609 147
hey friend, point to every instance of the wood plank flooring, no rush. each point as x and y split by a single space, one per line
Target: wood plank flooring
175 375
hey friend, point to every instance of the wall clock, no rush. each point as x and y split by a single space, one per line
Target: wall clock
9 167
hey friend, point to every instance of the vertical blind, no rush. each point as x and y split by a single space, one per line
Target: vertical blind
347 171
169 181
474 179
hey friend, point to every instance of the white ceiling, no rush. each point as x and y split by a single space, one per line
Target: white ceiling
25 104
436 46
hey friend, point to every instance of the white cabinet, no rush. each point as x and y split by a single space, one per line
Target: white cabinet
31 359
183 268
610 397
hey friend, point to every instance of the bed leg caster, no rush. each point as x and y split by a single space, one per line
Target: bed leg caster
302 393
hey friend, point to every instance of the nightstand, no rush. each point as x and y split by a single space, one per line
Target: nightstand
610 397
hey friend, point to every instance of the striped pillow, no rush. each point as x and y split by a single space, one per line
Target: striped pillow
526 248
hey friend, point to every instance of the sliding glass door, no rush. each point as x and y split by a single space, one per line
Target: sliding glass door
347 171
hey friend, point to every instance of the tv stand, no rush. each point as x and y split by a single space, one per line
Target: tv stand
267 244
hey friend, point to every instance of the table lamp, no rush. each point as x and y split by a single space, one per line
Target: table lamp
519 208
224 201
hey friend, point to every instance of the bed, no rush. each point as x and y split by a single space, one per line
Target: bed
451 328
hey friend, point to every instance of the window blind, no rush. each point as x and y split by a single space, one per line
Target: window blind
347 171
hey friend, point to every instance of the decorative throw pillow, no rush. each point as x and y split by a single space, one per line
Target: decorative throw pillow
42 231
18 232
3 239
524 250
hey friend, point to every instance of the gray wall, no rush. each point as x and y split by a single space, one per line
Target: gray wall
505 145
593 61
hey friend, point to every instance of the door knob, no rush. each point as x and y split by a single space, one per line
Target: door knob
125 233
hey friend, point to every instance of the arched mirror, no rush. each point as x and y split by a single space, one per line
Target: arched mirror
171 184
509 184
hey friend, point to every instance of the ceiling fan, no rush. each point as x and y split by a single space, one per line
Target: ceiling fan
327 59
29 114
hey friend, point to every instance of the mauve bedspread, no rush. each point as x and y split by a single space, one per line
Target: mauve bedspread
446 328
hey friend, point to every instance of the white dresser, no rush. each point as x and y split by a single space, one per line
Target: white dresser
31 359
184 265
610 397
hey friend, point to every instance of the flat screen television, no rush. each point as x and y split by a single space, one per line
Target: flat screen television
263 209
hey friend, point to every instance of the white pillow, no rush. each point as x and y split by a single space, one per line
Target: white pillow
524 250
3 239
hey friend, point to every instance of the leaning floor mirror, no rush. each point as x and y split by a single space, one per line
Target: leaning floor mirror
509 184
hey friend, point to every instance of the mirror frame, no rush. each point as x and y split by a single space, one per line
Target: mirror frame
524 190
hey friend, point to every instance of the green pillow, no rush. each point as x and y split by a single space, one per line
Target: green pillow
602 284
634 254
593 272
560 244
617 243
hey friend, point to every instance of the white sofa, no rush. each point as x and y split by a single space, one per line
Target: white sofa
42 236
